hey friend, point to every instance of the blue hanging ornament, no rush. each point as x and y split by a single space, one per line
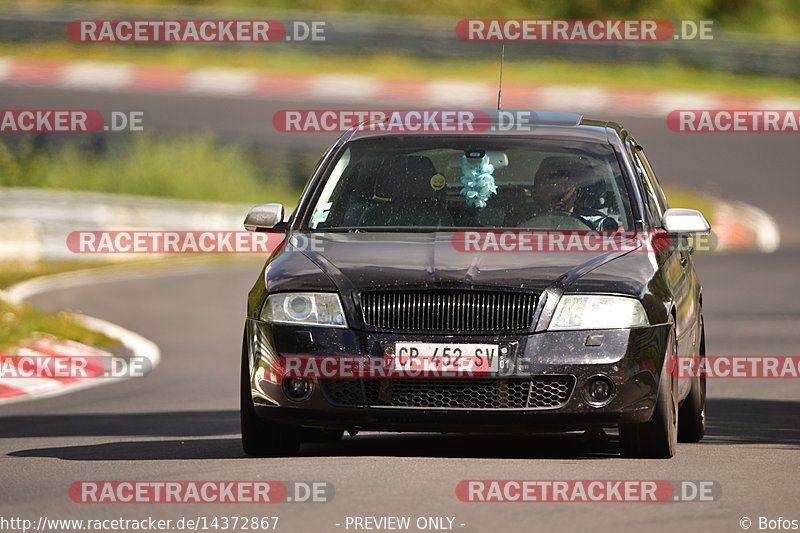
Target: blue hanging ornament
477 180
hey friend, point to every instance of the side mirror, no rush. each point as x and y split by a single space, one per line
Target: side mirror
263 217
684 221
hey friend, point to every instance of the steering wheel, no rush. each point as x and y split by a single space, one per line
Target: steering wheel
576 216
603 223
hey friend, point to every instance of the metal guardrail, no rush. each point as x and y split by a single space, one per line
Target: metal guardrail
430 37
35 223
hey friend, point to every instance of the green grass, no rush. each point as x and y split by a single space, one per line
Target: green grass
186 166
20 322
14 272
659 76
689 199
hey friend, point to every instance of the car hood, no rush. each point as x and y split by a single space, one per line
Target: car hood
359 261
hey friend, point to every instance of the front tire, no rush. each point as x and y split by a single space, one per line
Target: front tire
658 438
692 416
259 438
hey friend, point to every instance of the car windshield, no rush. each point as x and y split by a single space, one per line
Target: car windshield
439 183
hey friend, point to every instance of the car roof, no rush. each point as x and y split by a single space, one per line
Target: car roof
545 124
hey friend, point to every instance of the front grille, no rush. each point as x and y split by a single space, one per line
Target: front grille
457 311
540 392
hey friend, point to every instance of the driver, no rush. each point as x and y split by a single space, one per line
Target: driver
555 189
554 192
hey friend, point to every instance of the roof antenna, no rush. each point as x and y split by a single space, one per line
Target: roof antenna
500 90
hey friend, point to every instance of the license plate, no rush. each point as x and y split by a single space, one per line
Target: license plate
440 357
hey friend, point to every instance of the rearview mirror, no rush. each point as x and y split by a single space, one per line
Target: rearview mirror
263 217
684 221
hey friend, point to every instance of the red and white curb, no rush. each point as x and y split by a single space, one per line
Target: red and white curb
18 389
45 346
346 88
741 226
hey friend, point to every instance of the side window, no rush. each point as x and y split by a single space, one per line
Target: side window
662 199
655 206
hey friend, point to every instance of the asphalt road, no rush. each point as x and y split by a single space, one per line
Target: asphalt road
181 421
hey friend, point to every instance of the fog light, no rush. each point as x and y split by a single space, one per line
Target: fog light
298 389
598 390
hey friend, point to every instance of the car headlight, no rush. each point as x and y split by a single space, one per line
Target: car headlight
598 312
309 308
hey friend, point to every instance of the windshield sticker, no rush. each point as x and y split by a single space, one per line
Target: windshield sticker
321 214
438 182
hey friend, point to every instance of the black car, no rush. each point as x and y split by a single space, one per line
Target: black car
379 262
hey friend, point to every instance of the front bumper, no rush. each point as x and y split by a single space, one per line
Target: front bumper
632 359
